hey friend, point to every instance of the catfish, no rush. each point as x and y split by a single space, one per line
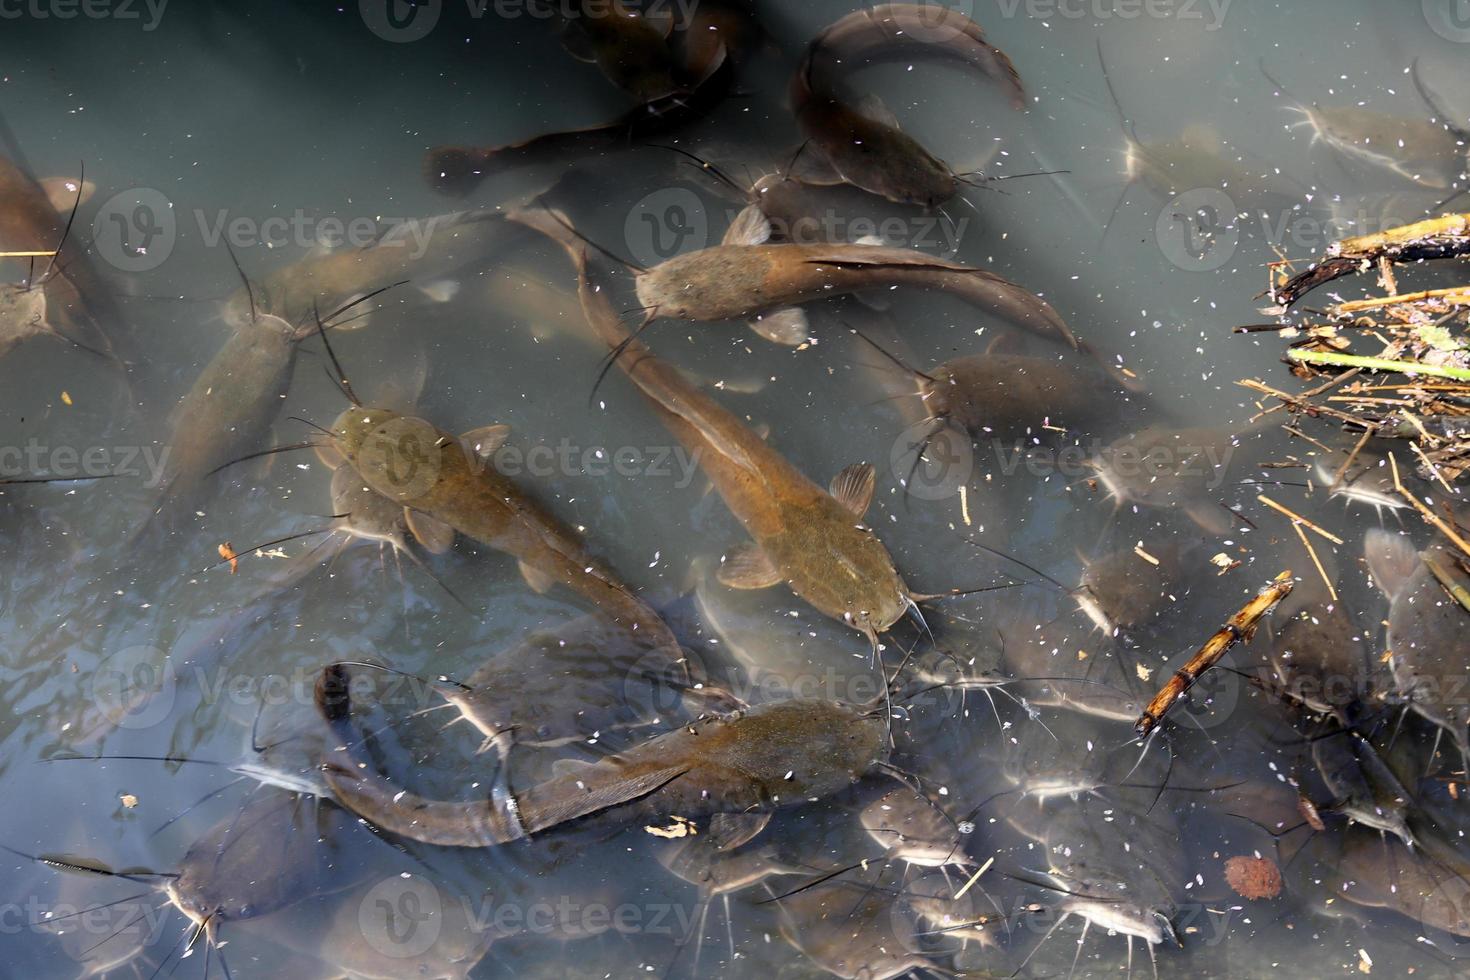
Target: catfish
1194 160
720 870
1427 637
330 278
592 677
1121 869
1430 154
454 484
231 406
456 170
775 755
68 299
809 538
250 864
1011 397
1163 467
864 145
631 49
852 929
748 278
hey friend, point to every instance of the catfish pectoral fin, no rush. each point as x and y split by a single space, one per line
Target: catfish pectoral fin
748 567
540 581
853 488
436 536
750 227
728 831
787 326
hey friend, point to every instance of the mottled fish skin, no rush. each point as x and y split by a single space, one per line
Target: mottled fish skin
806 537
469 495
770 756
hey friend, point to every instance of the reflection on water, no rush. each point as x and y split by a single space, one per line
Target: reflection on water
244 179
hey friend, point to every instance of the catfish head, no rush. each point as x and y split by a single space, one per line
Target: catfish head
389 450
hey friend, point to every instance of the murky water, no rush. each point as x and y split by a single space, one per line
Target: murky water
283 134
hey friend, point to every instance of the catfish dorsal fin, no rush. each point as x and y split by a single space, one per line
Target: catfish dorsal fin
853 488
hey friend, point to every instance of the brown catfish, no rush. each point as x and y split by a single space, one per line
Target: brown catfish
68 298
453 482
861 142
803 535
785 753
748 278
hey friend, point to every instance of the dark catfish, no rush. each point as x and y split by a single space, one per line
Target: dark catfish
861 142
591 676
458 170
1009 397
774 755
803 535
1428 633
630 48
1121 868
263 859
853 929
1161 466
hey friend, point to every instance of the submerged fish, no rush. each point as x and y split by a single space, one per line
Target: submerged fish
1428 153
68 299
773 755
1428 639
452 482
862 143
803 535
1164 467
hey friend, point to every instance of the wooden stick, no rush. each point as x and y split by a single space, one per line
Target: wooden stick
1241 626
1429 515
26 255
1459 295
1298 518
1307 543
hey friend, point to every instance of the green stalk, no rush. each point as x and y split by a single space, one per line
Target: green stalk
1378 364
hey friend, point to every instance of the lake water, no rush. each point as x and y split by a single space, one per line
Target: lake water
276 134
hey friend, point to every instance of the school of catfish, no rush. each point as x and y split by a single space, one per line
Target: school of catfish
819 754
